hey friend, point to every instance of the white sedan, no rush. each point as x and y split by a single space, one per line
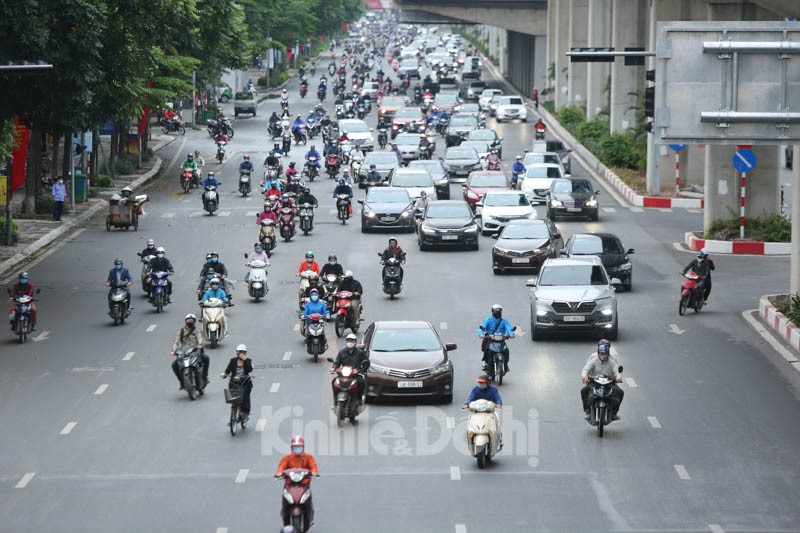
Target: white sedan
511 108
498 208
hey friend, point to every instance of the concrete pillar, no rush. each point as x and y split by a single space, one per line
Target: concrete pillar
695 165
598 34
562 17
721 185
627 30
545 89
763 184
539 65
578 37
794 281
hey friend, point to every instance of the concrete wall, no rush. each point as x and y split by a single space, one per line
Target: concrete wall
530 21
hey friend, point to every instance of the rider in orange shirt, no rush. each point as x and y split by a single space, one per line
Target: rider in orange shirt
308 264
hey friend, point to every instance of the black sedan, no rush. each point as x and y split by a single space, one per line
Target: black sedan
525 244
389 208
447 223
572 197
609 249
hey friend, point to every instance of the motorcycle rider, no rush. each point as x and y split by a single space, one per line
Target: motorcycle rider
373 178
291 172
191 163
601 362
494 323
245 165
344 188
350 284
216 291
150 249
274 119
492 158
517 169
258 255
120 277
199 159
422 202
308 264
332 267
354 357
287 201
272 187
161 264
23 287
307 198
314 305
313 153
189 338
267 213
213 263
539 126
484 390
702 265
240 367
210 181
297 126
393 251
297 459
273 159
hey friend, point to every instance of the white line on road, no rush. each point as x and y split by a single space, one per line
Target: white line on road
631 383
609 210
22 483
665 209
224 213
673 328
682 473
167 215
443 325
637 209
242 475
261 424
252 213
461 528
128 356
41 336
455 473
451 422
196 214
767 336
654 422
151 327
68 428
332 212
694 211
716 528
101 389
287 356
678 246
297 327
222 530
274 387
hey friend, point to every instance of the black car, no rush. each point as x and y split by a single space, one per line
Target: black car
572 197
525 244
387 208
447 223
458 129
609 249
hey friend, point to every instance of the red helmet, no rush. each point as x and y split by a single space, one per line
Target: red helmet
297 440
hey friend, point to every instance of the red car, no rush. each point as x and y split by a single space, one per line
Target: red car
482 181
405 116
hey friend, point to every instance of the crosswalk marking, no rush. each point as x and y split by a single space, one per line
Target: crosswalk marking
637 209
167 215
224 213
609 210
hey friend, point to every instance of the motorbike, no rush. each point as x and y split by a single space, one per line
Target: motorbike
214 323
191 366
539 134
300 136
331 69
287 225
306 215
600 414
284 102
483 437
691 293
210 202
321 94
345 389
392 277
345 319
274 130
222 126
312 127
311 168
117 305
266 235
234 395
187 176
492 164
286 142
343 207
168 126
221 151
257 286
361 110
496 346
21 315
355 166
332 165
338 110
303 91
314 333
145 275
158 293
296 509
383 138
244 182
329 286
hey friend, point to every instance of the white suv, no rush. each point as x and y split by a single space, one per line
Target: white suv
511 108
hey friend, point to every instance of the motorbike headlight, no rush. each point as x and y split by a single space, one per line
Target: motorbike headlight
377 369
440 369
626 266
591 203
556 203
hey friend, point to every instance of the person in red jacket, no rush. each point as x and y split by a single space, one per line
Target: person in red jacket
23 287
298 458
308 264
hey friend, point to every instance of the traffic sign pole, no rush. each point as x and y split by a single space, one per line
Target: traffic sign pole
741 205
677 173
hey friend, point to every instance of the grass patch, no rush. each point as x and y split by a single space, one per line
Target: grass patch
789 305
769 228
635 179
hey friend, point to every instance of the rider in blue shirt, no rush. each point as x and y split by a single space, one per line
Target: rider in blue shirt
245 165
314 305
215 291
211 181
517 169
297 124
313 153
484 391
495 323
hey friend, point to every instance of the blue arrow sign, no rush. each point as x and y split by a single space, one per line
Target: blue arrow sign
677 147
744 160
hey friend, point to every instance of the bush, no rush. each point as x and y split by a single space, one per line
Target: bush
102 181
770 228
125 165
591 133
571 116
615 150
14 229
789 305
549 105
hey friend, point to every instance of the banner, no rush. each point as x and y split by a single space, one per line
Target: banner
19 156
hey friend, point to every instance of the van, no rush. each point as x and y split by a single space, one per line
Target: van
244 102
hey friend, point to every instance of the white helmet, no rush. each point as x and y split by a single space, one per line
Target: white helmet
241 348
160 250
351 337
190 315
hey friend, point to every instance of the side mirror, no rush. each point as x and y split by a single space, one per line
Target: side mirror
380 254
530 283
361 202
495 236
245 255
597 192
329 359
630 251
616 281
619 369
479 204
478 215
450 346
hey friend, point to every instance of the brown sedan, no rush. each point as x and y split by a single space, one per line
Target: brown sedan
525 244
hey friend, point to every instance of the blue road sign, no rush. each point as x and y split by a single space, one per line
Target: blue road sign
744 160
677 147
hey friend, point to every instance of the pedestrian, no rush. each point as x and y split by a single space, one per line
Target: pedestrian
535 97
59 192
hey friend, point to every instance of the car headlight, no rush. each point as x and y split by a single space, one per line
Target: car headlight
626 266
369 213
591 203
404 214
556 203
532 215
471 229
427 230
501 251
440 369
442 182
377 369
471 195
607 312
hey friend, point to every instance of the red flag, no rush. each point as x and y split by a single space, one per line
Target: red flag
19 156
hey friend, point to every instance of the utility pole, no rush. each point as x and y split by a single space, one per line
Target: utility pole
72 173
9 232
194 98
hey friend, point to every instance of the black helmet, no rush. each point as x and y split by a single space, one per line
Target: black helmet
118 261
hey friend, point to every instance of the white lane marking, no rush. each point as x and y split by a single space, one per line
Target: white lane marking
68 428
151 327
682 473
654 422
694 211
443 325
274 387
673 328
41 336
196 214
261 424
455 473
297 327
101 389
252 213
665 209
128 356
716 528
637 209
767 336
22 483
609 210
242 475
678 246
222 530
224 213
614 352
451 422
631 383
461 528
332 212
167 215
287 356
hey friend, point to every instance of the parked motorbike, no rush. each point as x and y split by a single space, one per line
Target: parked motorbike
496 346
483 431
210 199
392 277
267 235
348 403
221 151
691 293
214 323
314 332
117 305
343 207
600 411
191 365
296 509
287 225
21 317
306 215
257 286
158 293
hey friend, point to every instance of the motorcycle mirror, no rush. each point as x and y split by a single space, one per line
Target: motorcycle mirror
514 328
630 251
619 369
245 255
329 359
361 346
530 283
139 254
495 236
450 346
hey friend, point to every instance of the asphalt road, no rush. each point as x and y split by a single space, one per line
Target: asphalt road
707 441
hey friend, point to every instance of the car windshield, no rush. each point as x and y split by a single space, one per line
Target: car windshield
461 154
581 186
572 275
460 120
355 127
470 108
489 93
488 180
481 135
405 339
479 146
511 101
378 158
593 244
384 196
543 172
416 179
446 98
456 210
506 200
407 138
243 95
409 112
431 166
525 231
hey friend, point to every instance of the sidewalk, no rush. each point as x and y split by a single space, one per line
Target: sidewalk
35 234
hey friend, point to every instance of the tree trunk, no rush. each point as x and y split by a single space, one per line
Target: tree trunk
95 167
66 160
52 170
112 155
32 170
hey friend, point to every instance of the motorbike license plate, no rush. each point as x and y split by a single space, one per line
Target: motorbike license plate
409 384
449 237
574 318
520 260
574 209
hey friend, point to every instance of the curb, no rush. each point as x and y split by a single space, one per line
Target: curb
779 323
737 247
79 220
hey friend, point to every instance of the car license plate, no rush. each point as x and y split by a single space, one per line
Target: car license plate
449 237
574 318
574 209
520 260
387 219
409 384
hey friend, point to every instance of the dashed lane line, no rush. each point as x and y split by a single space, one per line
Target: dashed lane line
68 428
443 325
222 530
716 528
461 528
23 482
261 424
101 389
241 477
654 422
224 213
167 215
451 422
637 209
287 356
275 387
151 328
455 473
128 356
609 210
682 473
665 209
631 383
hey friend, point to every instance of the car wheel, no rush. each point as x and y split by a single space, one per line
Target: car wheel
422 247
447 398
475 246
551 215
364 229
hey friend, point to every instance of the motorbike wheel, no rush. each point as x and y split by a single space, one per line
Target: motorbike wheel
234 419
340 414
391 296
116 314
182 130
187 186
297 523
213 339
481 457
498 372
682 304
601 421
159 302
188 384
164 129
340 325
22 330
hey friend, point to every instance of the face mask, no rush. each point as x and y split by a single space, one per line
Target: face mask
332 262
24 281
160 254
118 267
497 314
351 344
259 250
603 357
214 260
297 450
314 298
309 260
190 324
392 245
482 386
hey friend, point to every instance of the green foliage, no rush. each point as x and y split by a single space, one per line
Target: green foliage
769 228
614 150
103 181
571 116
14 228
790 306
7 132
549 105
125 166
590 133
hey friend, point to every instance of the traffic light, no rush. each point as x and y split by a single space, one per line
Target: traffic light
650 102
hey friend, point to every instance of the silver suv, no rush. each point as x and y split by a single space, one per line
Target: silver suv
573 295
